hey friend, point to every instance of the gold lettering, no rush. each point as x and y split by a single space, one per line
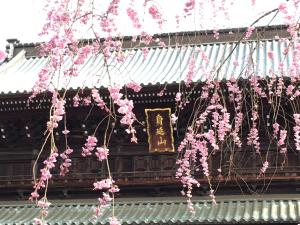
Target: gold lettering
160 131
159 120
161 141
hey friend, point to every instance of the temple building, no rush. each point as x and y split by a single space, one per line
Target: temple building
145 171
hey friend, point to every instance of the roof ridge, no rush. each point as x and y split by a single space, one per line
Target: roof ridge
188 32
163 200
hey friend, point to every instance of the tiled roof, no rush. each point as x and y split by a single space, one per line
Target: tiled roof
163 65
260 210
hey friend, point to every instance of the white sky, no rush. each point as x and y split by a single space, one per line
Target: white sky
20 19
23 19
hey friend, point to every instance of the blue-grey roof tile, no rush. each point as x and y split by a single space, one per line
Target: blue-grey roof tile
162 65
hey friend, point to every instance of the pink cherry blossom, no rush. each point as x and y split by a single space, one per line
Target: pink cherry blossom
191 71
89 146
216 34
103 184
134 86
156 14
145 52
161 93
98 100
58 112
34 195
264 167
174 118
271 55
101 153
64 167
276 129
235 62
2 56
217 124
178 97
38 221
43 203
114 189
115 93
65 132
297 131
189 6
76 100
114 221
146 38
105 199
253 139
97 212
133 15
224 126
249 32
283 134
282 8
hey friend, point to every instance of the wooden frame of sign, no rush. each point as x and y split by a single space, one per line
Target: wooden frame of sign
159 130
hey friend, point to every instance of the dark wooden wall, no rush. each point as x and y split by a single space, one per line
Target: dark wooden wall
132 166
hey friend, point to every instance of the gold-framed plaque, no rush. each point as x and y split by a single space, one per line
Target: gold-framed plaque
159 130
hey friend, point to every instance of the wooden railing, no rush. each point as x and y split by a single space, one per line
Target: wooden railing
131 170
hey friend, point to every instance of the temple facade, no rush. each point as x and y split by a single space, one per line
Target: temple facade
150 193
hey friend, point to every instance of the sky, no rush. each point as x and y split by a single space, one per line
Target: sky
20 19
23 19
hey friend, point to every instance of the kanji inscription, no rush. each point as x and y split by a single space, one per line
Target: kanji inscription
160 131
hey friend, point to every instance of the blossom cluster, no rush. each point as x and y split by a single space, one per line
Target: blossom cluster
64 167
98 100
191 71
264 167
133 15
58 112
101 153
126 109
297 131
213 126
108 189
236 96
3 56
45 174
134 86
42 182
89 146
156 14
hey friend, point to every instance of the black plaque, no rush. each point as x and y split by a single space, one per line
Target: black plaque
159 129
